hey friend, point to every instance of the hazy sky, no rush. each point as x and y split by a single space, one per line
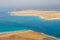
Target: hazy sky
29 3
9 5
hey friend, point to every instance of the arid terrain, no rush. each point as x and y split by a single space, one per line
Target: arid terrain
47 15
24 35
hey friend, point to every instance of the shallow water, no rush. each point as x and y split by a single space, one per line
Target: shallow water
15 23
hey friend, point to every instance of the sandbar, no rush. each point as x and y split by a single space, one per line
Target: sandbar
46 15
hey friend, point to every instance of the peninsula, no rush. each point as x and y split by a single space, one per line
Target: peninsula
47 15
25 35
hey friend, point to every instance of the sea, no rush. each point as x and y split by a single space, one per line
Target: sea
10 23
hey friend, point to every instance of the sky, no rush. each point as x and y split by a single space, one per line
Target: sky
25 4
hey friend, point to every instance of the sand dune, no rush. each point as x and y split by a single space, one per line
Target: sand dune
47 15
24 35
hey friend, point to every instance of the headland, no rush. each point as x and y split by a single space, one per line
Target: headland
25 35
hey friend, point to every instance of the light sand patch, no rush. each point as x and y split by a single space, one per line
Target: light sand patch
47 15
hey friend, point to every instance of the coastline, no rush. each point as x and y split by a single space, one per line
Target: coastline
24 31
46 15
49 19
43 16
51 36
14 31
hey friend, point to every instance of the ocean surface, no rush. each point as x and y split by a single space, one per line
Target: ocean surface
15 23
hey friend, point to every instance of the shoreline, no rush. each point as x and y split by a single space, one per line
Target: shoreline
50 19
13 31
23 31
50 36
46 15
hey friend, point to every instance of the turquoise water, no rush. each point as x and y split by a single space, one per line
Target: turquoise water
15 23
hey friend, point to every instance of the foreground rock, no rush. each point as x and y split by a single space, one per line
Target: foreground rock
24 35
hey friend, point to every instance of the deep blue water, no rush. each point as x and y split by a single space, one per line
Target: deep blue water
15 23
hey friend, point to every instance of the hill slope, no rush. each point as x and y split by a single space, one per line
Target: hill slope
24 35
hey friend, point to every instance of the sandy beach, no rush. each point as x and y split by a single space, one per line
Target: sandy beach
24 35
46 15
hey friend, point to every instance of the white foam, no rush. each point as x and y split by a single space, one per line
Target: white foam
50 36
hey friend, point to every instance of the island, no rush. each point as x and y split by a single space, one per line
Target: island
46 15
